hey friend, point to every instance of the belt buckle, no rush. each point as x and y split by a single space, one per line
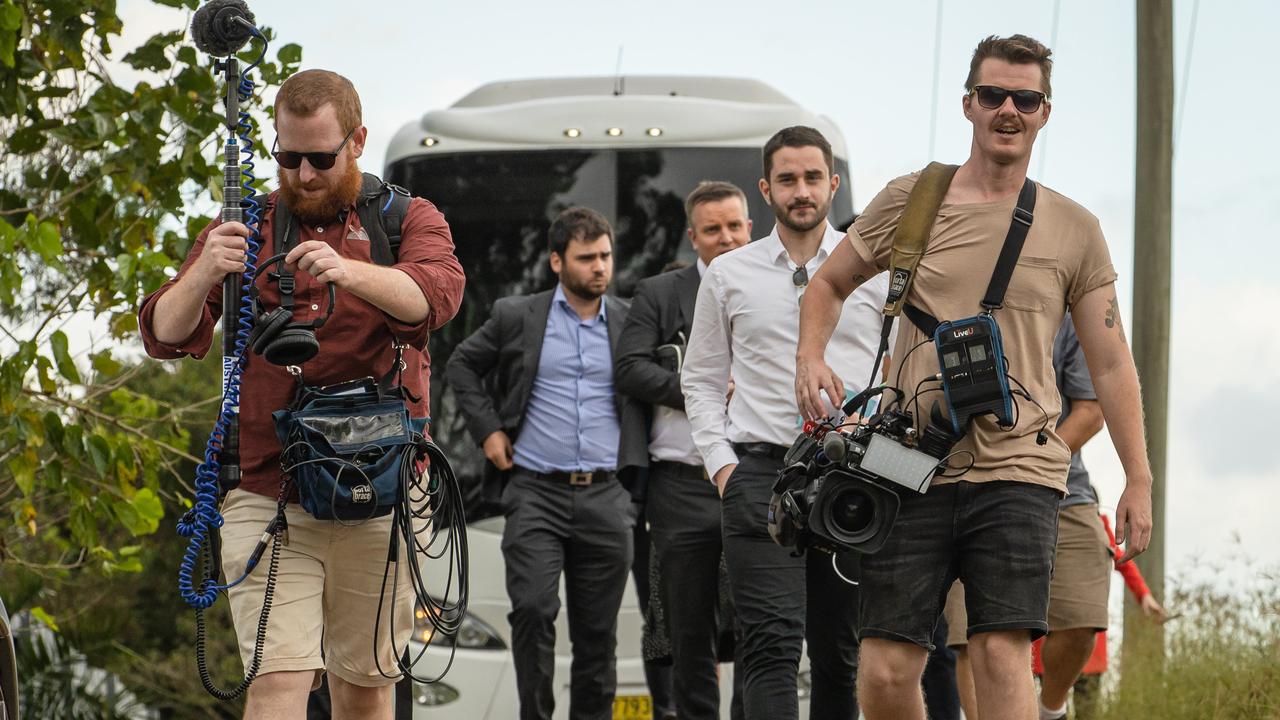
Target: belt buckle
581 479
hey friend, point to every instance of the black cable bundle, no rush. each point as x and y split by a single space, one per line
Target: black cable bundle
430 521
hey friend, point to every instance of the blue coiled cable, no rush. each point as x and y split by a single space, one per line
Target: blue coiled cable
203 517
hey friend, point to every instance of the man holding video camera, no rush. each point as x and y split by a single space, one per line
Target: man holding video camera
745 325
995 525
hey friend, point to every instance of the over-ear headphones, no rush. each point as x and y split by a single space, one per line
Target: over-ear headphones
275 336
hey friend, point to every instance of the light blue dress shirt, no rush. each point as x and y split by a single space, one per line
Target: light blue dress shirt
571 421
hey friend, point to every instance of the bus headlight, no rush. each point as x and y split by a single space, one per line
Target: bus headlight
433 694
473 633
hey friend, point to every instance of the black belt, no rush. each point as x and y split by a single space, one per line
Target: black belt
680 469
761 449
574 477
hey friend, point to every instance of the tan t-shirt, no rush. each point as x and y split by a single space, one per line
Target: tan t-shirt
1065 257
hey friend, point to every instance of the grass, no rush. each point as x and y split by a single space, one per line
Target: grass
1221 657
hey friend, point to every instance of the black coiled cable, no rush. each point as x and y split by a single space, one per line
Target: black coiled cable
431 504
251 673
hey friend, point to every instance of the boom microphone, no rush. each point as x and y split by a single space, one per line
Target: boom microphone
222 27
833 446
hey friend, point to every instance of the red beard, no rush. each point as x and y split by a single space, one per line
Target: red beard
325 207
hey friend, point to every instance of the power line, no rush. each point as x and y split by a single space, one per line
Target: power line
937 69
1053 45
1186 76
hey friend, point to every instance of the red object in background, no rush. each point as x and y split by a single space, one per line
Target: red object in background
1096 665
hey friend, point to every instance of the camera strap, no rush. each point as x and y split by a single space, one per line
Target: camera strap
909 242
1019 226
914 228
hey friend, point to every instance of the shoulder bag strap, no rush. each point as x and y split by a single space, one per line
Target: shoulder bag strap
1013 241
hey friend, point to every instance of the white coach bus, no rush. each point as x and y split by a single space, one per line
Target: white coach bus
501 163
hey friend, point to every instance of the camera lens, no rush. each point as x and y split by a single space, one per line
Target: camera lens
851 511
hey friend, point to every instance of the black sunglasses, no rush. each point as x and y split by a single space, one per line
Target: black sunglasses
800 278
291 160
992 97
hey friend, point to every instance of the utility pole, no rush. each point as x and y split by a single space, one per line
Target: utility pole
1152 229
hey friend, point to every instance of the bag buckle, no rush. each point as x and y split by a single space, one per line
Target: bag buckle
580 478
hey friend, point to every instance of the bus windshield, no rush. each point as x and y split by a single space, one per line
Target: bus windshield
500 204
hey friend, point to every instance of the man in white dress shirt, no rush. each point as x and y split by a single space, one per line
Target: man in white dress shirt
746 326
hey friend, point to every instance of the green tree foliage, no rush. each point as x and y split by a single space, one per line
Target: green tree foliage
109 157
97 184
134 625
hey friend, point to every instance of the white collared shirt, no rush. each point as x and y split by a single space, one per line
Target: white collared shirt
670 436
746 326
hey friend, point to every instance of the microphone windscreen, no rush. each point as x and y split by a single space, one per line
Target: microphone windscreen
217 29
833 446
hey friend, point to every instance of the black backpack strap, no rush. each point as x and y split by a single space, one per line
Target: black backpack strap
382 208
284 235
1018 228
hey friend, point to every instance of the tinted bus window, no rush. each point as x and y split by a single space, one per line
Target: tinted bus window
500 204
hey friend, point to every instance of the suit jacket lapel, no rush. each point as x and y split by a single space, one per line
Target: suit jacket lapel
535 328
687 290
613 321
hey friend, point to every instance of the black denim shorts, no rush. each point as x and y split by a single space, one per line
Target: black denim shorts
997 537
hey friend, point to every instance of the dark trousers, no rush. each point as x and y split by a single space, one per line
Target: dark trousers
657 674
683 510
782 600
586 533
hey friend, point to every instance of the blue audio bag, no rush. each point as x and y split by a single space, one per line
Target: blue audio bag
345 447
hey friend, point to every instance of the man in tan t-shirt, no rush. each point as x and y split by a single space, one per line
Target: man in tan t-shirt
995 525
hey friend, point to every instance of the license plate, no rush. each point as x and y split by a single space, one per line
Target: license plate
632 707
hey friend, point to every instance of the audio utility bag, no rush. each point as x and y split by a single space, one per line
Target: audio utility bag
346 447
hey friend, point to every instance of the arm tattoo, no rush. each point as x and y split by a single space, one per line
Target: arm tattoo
859 279
1113 314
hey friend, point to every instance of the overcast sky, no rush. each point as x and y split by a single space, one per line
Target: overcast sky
870 67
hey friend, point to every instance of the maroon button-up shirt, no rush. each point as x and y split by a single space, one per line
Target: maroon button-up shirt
355 342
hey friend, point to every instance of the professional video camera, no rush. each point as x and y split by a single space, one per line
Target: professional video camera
839 491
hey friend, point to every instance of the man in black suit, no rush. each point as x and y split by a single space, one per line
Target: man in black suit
682 505
552 423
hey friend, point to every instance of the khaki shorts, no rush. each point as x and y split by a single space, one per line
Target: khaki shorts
1082 571
957 621
329 583
1081 578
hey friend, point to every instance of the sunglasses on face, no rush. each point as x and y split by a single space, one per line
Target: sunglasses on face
291 160
992 97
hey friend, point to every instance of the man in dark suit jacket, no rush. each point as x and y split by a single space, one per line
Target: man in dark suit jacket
553 423
682 505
